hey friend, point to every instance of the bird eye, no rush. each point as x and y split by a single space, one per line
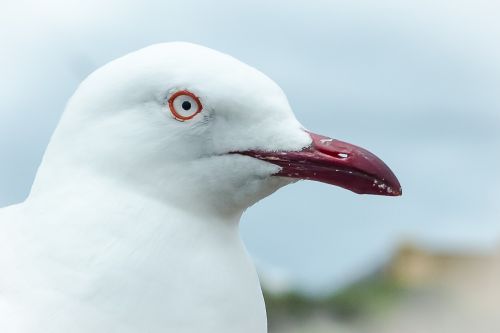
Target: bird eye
184 105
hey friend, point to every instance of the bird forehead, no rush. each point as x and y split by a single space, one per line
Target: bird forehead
225 86
189 65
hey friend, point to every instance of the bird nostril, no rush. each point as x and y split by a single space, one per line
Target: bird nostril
342 155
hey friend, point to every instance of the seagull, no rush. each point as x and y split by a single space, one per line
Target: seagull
131 224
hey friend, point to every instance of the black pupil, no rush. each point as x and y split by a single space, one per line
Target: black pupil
186 105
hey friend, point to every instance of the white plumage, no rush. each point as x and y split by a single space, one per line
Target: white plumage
132 222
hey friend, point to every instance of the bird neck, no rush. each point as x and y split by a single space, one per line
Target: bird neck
114 258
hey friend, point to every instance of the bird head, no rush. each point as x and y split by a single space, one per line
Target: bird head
186 124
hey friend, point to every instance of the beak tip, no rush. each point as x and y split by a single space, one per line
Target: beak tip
393 188
398 192
383 189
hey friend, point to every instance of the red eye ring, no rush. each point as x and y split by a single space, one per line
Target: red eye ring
184 93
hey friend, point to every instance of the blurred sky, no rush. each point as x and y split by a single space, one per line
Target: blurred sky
416 82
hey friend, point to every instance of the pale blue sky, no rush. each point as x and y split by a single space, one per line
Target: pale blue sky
416 82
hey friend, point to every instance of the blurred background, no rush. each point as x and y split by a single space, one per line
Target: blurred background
416 82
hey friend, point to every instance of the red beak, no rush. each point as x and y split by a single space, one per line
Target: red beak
337 163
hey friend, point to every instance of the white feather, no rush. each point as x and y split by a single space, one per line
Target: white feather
132 221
